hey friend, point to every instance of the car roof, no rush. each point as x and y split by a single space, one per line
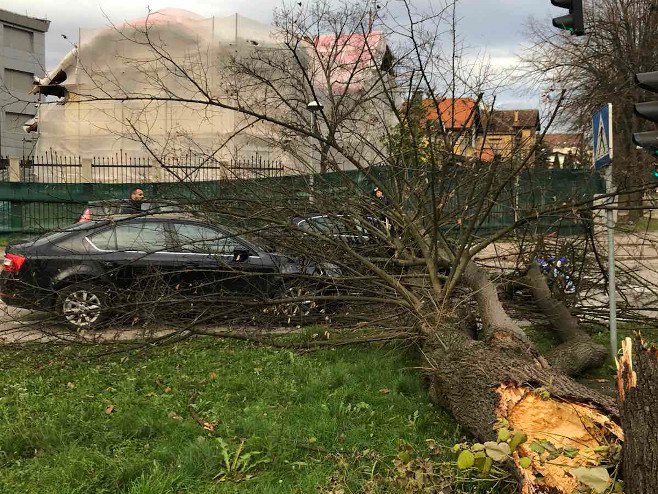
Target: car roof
124 201
168 215
312 216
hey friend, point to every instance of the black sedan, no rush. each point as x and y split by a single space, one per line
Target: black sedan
94 269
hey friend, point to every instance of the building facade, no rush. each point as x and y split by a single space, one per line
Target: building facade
22 58
511 134
567 151
116 95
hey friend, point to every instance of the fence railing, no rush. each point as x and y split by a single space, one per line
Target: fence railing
124 169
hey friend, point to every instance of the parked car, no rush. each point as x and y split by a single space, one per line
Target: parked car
86 272
98 210
334 226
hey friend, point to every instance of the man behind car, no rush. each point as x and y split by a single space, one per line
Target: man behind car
134 204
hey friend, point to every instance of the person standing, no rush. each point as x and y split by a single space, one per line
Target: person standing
381 205
379 195
134 204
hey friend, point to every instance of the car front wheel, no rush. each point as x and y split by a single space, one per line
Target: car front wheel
83 305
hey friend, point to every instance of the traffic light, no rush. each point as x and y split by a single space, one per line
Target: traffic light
649 111
573 21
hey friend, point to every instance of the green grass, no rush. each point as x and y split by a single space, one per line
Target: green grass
284 422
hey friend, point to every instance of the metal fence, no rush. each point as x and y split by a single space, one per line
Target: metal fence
52 168
4 169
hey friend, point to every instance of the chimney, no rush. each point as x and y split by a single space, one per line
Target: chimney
516 117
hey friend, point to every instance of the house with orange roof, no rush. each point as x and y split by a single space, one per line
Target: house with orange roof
510 134
460 119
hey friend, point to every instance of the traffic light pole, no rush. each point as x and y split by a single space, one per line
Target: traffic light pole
612 290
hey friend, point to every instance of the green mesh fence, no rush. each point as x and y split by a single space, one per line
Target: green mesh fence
35 207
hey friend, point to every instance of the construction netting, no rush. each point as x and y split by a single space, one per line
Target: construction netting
128 90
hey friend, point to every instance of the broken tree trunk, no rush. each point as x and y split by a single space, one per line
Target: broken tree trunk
503 377
637 383
481 383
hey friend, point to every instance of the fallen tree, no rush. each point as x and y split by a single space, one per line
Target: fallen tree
502 377
327 98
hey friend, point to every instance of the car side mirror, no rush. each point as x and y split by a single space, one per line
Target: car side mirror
240 255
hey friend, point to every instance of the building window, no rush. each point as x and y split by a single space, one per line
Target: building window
18 39
14 121
18 82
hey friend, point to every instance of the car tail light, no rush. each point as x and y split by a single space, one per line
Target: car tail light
85 216
13 263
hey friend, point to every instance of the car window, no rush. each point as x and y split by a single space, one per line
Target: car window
317 224
143 236
192 237
334 225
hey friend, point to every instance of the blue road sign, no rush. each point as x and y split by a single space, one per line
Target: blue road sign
602 132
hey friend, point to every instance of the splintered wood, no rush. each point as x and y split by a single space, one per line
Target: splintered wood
626 376
572 426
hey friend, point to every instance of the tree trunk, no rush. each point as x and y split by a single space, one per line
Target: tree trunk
503 377
637 382
578 352
480 384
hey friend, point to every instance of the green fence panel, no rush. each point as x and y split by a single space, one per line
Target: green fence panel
34 207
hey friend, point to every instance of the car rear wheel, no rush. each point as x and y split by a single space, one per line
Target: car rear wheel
83 305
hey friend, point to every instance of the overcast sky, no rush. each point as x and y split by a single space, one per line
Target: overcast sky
495 26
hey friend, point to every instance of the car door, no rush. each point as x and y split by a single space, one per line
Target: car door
221 263
135 254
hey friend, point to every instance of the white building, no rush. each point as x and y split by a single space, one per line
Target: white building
125 91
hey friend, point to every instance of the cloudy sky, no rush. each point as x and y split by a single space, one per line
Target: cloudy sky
493 26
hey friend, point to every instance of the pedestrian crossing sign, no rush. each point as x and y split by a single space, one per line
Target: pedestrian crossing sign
602 136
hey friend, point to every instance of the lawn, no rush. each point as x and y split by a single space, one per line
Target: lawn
209 415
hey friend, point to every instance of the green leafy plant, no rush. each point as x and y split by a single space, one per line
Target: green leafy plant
237 463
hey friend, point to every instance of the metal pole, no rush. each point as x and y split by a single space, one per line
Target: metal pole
612 291
311 178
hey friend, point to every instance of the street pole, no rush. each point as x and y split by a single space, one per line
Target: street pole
612 291
311 178
313 107
602 157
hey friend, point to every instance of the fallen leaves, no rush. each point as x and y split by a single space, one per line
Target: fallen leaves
209 426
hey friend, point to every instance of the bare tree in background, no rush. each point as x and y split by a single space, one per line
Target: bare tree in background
599 68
